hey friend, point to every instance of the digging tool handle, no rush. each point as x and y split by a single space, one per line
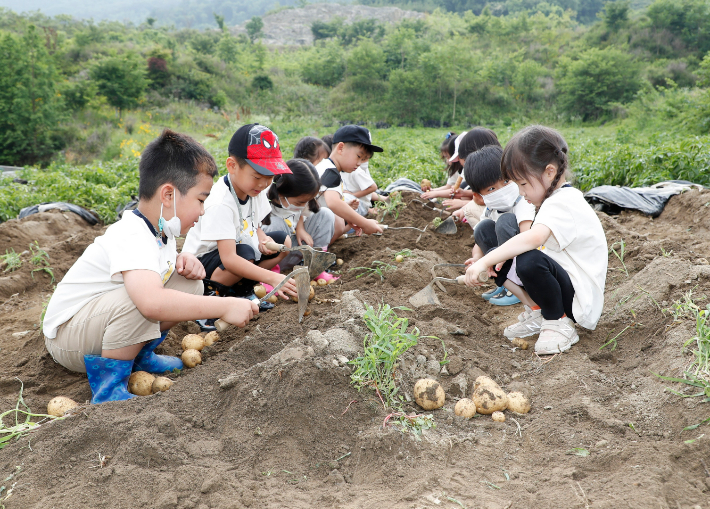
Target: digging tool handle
220 325
273 246
483 277
458 183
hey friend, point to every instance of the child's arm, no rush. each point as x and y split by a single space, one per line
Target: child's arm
155 302
302 236
244 268
341 209
439 192
525 226
476 254
522 243
365 192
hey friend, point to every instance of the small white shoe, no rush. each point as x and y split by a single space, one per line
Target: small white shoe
528 324
556 336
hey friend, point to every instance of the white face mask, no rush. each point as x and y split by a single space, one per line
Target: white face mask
292 208
173 226
502 199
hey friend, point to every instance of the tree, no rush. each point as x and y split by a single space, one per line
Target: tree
325 65
616 14
228 49
121 80
597 78
219 19
254 28
29 103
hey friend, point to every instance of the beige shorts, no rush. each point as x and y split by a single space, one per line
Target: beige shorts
108 322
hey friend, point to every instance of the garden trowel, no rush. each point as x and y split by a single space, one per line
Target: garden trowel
317 261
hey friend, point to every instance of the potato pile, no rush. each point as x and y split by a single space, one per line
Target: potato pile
142 383
487 398
192 345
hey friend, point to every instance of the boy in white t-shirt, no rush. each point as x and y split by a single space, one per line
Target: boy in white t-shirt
506 215
359 185
352 146
119 299
562 259
228 239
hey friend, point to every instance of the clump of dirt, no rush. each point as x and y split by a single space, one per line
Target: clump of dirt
270 418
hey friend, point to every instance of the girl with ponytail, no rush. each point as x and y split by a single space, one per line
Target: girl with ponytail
562 260
294 210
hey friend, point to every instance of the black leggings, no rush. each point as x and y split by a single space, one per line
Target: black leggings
490 234
547 283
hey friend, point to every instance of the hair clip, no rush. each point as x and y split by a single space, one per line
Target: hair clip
448 135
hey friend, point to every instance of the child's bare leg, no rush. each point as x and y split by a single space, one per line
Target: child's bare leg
225 277
127 353
519 292
340 228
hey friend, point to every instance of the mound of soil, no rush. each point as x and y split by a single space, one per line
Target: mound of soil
270 419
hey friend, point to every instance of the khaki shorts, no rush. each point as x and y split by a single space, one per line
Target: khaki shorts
108 322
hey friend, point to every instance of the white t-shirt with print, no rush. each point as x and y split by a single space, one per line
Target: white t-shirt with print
357 181
127 244
221 221
578 244
321 169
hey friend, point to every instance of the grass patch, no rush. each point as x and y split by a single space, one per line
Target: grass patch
620 254
22 417
379 268
10 260
40 259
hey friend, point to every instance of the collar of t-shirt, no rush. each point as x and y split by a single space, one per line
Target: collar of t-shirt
155 234
229 186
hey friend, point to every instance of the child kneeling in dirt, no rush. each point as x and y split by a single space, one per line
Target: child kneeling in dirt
296 213
563 281
506 215
228 239
118 301
352 146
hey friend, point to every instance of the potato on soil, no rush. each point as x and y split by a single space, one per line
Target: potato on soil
429 394
191 358
311 295
485 380
520 343
162 384
489 398
518 403
211 338
339 261
260 291
60 405
307 312
193 342
140 383
465 408
498 416
273 299
322 282
399 258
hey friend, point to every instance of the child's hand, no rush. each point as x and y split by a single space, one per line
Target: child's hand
370 226
240 311
262 246
428 195
473 271
188 266
458 214
304 238
454 204
288 289
354 204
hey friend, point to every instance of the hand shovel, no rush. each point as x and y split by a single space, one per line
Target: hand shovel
428 296
448 225
316 261
301 276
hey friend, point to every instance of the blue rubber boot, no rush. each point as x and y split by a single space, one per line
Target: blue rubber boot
493 293
108 378
504 299
151 362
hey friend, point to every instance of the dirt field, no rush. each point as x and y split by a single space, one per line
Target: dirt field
270 419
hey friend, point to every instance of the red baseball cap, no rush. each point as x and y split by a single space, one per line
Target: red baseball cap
259 146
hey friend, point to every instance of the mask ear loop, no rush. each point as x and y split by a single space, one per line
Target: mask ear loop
161 221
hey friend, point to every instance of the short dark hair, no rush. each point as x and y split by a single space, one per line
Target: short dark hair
367 148
482 168
173 158
328 140
456 166
308 148
476 139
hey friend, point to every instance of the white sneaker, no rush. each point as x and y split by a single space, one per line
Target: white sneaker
556 336
529 323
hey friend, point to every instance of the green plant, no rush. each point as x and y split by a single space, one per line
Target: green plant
379 268
391 206
21 427
612 341
40 259
620 254
665 253
437 222
10 260
404 253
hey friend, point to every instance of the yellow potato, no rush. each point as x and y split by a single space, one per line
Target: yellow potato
140 383
518 403
161 384
485 380
311 294
520 343
489 398
60 405
260 291
191 358
339 261
211 338
399 258
193 342
498 416
322 282
429 394
465 408
273 299
313 283
307 312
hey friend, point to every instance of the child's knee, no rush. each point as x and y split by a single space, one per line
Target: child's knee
483 230
507 222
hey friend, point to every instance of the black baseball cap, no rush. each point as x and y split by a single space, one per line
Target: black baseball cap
355 134
258 146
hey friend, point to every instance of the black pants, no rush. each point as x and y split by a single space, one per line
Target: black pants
547 283
211 261
490 234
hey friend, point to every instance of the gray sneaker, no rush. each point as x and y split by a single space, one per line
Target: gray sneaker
528 324
556 336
